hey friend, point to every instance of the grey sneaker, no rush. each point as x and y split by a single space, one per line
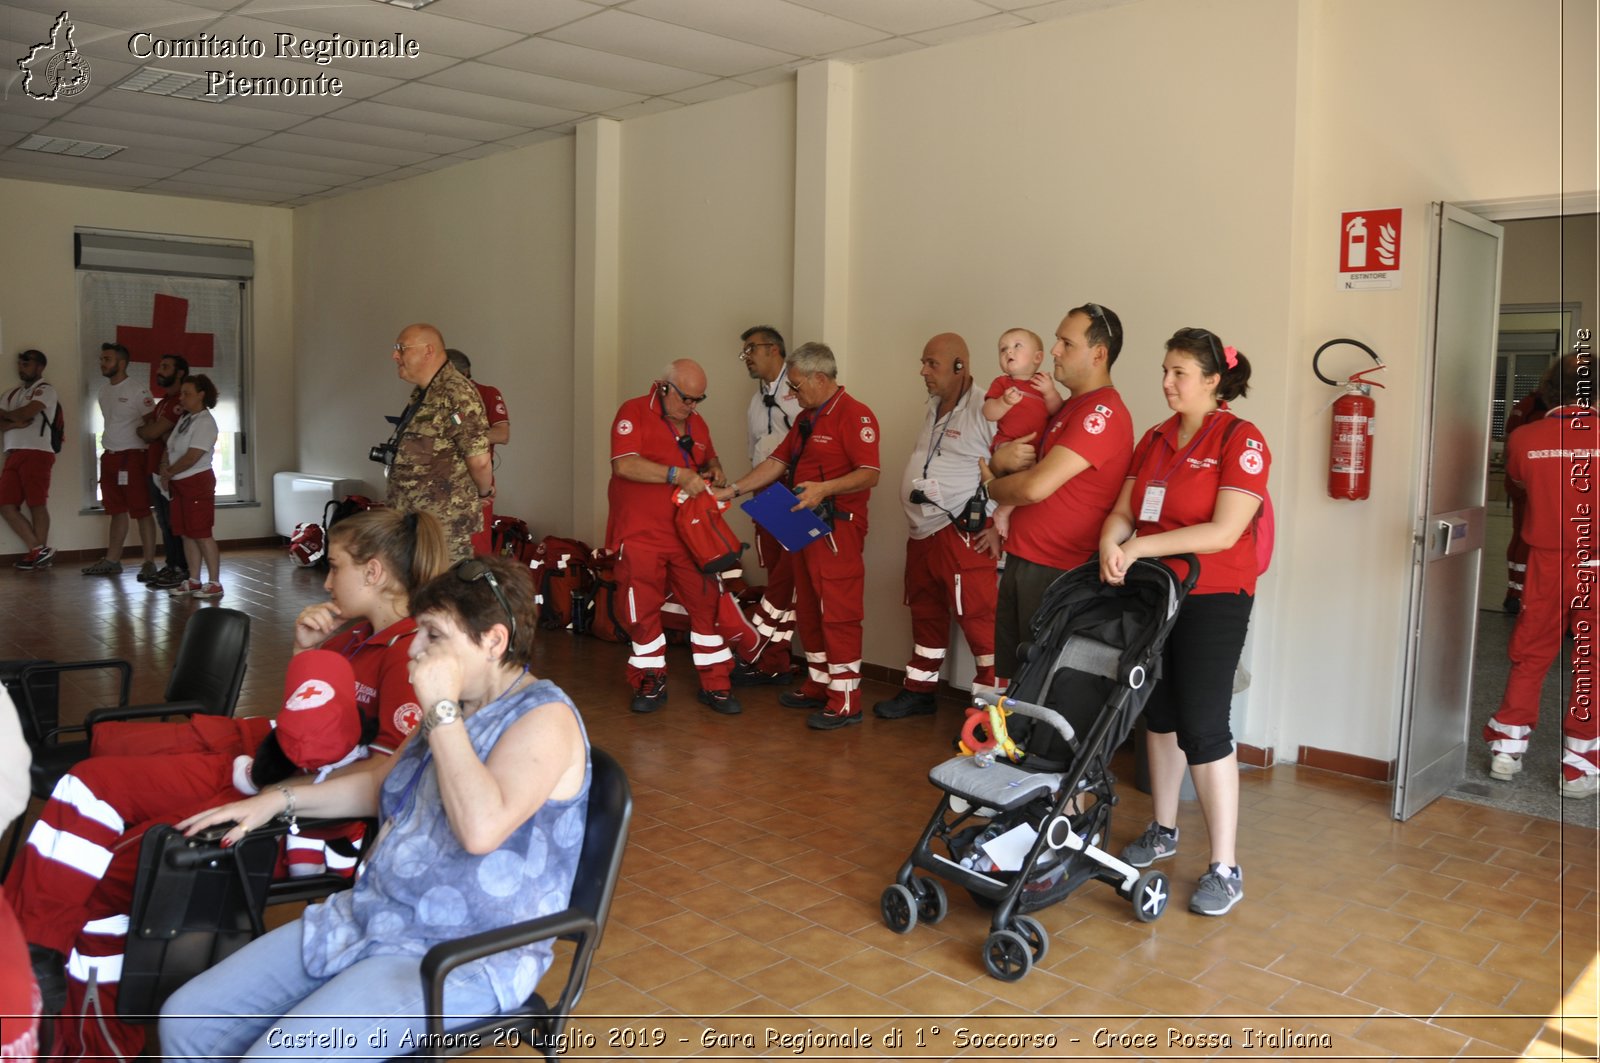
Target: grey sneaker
104 567
147 572
1218 891
1156 843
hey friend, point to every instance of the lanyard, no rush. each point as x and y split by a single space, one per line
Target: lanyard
769 399
1178 459
688 453
807 424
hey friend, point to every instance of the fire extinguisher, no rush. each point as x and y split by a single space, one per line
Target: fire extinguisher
1354 422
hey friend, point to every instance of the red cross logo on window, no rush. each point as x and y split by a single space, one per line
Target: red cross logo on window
166 335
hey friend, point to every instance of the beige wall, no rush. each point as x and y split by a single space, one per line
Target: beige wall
39 308
1552 260
483 251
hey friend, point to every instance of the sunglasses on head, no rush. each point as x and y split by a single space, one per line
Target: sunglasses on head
1099 311
471 571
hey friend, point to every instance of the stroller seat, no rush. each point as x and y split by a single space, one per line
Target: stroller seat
998 786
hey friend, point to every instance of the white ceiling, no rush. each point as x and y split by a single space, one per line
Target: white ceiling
492 75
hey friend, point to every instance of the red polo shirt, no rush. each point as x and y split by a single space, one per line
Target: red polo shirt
843 438
1553 460
643 513
1206 465
1063 531
168 409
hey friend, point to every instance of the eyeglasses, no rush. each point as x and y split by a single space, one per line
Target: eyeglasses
1100 312
750 348
472 570
789 383
401 347
691 400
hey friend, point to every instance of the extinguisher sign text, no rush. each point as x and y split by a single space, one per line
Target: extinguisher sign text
1369 249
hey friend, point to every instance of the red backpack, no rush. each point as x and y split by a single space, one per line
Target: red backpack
705 532
510 537
603 619
561 569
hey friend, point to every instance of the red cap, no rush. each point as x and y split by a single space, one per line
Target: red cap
320 723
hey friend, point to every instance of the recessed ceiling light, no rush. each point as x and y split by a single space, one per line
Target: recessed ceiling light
80 149
175 83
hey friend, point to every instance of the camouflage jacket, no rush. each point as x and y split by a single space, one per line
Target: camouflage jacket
430 469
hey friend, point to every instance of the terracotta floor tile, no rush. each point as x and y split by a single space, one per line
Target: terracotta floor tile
1318 969
1472 981
791 982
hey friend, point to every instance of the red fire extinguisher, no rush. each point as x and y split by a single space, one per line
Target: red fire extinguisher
1354 423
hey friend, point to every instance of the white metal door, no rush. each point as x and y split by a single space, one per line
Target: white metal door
1464 287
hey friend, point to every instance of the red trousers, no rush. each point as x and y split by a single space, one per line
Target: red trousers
946 574
1559 597
774 619
829 582
644 572
1516 553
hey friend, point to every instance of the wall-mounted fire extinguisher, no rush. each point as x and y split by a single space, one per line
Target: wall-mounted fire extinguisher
1354 423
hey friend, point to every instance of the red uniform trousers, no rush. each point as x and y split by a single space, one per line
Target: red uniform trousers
1516 553
829 582
774 619
644 573
1559 597
945 574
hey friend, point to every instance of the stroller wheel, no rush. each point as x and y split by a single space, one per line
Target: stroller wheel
1033 933
1006 956
899 909
932 903
1150 896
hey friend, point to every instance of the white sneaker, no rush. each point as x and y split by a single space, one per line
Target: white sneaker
1582 786
1504 766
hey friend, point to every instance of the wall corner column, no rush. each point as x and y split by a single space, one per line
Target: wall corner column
596 296
824 126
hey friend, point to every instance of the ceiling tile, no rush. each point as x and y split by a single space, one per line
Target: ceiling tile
506 83
304 162
639 110
538 136
118 165
242 181
234 193
168 126
771 75
773 24
132 138
993 24
515 114
414 144
661 42
57 175
18 123
902 16
434 34
877 50
525 16
540 55
284 175
294 63
711 90
427 122
342 148
1034 11
237 113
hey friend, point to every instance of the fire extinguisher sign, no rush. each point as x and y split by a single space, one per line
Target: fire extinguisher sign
1369 250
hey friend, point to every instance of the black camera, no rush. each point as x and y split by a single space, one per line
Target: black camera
383 454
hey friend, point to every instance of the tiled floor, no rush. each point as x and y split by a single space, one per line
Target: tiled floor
759 851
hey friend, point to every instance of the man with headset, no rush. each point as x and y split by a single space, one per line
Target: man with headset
773 410
951 554
438 458
660 446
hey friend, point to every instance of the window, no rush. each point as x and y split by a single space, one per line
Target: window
161 295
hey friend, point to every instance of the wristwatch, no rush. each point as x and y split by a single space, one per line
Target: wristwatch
443 712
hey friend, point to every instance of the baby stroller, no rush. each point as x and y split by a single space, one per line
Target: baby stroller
1095 655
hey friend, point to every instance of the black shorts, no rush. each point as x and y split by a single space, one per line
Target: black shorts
1022 588
1196 688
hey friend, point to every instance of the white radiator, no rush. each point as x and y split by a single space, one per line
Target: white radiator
298 497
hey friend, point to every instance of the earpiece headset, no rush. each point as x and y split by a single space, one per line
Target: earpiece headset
959 365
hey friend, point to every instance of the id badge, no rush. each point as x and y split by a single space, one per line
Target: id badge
1150 508
122 478
930 490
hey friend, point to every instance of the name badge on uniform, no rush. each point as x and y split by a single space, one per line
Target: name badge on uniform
1150 508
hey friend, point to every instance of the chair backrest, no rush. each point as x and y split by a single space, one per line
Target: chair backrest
211 660
604 840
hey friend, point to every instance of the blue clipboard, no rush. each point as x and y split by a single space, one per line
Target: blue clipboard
771 508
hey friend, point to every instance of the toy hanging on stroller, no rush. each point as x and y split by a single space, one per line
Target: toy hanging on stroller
1094 657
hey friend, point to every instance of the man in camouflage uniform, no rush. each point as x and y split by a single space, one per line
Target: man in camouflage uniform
442 463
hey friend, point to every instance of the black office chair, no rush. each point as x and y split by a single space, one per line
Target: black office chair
205 679
583 922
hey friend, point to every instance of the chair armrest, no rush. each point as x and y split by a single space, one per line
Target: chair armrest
123 713
28 673
448 955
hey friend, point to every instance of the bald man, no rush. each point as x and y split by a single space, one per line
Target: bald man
660 446
950 567
441 461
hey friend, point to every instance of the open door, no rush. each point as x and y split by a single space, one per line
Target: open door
1458 382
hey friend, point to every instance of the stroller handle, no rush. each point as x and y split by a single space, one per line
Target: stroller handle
1027 708
1191 574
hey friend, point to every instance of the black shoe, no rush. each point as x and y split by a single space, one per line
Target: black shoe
827 721
748 675
50 971
906 703
652 693
1511 606
794 699
721 701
